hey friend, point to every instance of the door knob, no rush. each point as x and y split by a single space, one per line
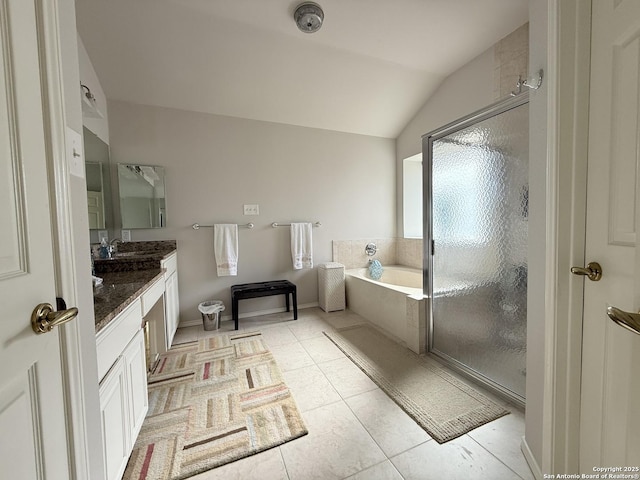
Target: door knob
628 320
43 318
593 271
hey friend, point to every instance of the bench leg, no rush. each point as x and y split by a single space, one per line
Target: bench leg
295 304
286 296
234 311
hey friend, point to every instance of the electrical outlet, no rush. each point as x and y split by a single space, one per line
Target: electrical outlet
253 209
125 235
103 234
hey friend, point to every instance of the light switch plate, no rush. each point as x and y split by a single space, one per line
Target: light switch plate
125 235
75 153
253 209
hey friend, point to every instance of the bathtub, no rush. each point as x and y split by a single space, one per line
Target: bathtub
395 303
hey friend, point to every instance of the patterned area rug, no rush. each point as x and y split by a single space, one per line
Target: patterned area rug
440 403
212 402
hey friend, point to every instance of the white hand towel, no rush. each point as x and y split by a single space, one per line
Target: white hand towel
301 249
225 248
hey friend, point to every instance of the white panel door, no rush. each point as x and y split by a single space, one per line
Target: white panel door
32 424
610 415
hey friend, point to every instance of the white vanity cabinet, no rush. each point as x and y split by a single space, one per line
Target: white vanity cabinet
144 328
171 302
123 386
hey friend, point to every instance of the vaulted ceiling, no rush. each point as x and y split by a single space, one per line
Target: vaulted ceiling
368 70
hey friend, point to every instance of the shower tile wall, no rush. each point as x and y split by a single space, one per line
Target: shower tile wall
511 59
352 255
409 252
391 251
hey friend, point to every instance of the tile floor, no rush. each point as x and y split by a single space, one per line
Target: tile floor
355 431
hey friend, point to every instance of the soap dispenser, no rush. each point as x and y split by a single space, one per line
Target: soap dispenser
104 248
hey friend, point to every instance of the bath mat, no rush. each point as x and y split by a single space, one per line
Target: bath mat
212 402
440 403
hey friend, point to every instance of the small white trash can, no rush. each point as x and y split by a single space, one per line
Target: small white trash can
331 294
210 311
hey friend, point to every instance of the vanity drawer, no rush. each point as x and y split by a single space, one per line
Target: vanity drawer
151 296
112 339
170 264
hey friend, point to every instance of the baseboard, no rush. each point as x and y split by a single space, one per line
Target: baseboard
531 461
198 321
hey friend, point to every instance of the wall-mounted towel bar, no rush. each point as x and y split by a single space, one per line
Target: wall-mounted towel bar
275 225
197 226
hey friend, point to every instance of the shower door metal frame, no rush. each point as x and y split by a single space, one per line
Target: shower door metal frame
428 246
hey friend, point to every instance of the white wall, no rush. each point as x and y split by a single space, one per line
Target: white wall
215 164
466 90
412 196
88 77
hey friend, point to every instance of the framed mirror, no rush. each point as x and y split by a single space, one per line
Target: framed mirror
98 174
142 196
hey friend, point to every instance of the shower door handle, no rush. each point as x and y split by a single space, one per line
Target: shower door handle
593 271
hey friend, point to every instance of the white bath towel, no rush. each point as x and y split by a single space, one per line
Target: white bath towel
225 248
301 245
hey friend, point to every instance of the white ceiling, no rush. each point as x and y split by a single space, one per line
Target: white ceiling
368 70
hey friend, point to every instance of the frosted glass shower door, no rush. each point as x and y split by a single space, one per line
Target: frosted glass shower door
478 177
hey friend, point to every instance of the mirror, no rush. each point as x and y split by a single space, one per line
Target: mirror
142 199
99 199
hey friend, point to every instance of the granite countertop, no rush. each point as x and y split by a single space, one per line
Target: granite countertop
118 290
126 277
135 256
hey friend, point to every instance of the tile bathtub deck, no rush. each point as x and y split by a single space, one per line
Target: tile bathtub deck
355 430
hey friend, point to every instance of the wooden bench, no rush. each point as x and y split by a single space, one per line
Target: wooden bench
263 289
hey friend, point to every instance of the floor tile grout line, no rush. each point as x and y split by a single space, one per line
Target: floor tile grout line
286 470
379 446
492 454
375 465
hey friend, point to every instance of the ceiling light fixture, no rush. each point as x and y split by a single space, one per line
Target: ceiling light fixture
308 17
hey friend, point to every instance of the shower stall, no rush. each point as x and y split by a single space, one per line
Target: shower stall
476 209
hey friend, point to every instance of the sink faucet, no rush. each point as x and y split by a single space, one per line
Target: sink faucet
113 246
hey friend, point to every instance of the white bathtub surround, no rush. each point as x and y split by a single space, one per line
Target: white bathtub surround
390 251
395 303
417 308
